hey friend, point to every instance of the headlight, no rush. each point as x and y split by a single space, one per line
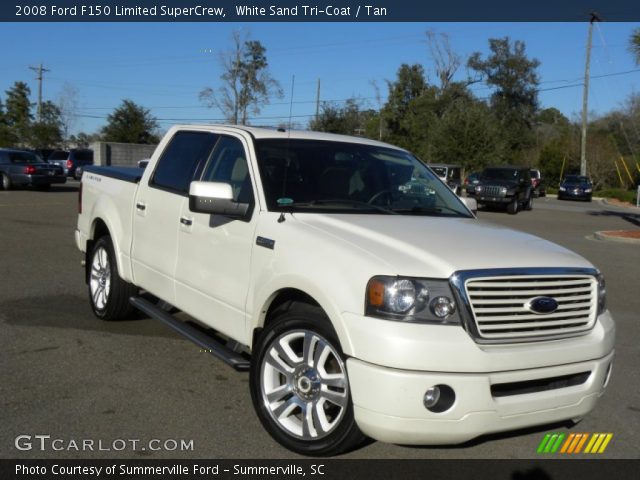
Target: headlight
503 190
411 300
562 189
602 294
587 190
479 188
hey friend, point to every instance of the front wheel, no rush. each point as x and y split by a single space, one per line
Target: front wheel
512 207
299 385
529 203
108 293
6 182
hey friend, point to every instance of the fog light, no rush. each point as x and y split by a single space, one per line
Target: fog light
439 398
442 307
431 397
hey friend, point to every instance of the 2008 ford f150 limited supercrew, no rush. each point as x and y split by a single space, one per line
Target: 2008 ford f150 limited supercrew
362 294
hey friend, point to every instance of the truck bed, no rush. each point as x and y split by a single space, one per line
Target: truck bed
127 174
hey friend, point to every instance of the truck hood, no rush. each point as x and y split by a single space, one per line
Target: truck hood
438 246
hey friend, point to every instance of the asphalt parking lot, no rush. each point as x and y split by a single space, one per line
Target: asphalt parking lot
65 374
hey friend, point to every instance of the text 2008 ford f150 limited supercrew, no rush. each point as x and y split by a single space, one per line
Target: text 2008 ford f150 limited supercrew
362 294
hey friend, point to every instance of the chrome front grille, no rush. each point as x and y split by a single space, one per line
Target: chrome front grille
501 305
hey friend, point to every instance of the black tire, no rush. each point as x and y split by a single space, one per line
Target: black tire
589 198
108 293
282 416
529 204
512 208
6 182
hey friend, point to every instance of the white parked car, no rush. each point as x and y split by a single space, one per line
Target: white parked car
361 293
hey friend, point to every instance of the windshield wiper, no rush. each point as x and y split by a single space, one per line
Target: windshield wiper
429 210
355 203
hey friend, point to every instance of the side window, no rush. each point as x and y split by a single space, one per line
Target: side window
180 160
3 158
228 164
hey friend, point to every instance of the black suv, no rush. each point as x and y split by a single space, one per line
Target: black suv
505 186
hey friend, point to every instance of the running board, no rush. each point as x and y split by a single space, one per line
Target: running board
212 345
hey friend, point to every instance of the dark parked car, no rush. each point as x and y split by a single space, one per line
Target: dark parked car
22 168
576 186
450 174
471 181
71 159
539 188
505 186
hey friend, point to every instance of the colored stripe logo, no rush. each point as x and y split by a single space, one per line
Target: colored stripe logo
574 443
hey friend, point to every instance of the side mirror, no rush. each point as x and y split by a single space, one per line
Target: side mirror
471 203
215 198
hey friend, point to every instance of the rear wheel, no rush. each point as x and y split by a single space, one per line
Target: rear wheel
6 182
299 385
108 293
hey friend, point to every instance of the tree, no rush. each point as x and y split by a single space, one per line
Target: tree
247 84
130 123
47 132
68 107
350 119
446 61
634 45
468 135
515 99
18 113
6 139
82 139
409 85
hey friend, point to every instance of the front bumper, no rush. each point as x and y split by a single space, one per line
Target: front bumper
500 200
392 364
388 403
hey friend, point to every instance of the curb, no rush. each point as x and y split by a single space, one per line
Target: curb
609 236
630 206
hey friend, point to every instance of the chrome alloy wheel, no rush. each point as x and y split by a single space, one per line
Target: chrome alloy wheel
304 384
100 279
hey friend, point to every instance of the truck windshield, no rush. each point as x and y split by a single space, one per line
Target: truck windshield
342 177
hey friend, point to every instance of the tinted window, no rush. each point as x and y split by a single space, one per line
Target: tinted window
316 176
500 173
59 155
4 158
180 160
228 164
23 157
83 155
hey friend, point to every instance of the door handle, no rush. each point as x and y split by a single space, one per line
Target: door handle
141 206
186 221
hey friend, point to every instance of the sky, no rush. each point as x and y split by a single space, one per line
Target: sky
164 66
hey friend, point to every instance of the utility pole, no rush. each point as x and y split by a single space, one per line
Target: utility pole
40 70
585 98
318 101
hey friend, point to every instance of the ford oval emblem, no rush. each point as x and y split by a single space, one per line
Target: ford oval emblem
542 305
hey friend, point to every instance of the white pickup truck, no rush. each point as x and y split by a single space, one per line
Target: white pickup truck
364 296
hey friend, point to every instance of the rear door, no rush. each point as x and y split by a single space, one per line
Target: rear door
157 209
